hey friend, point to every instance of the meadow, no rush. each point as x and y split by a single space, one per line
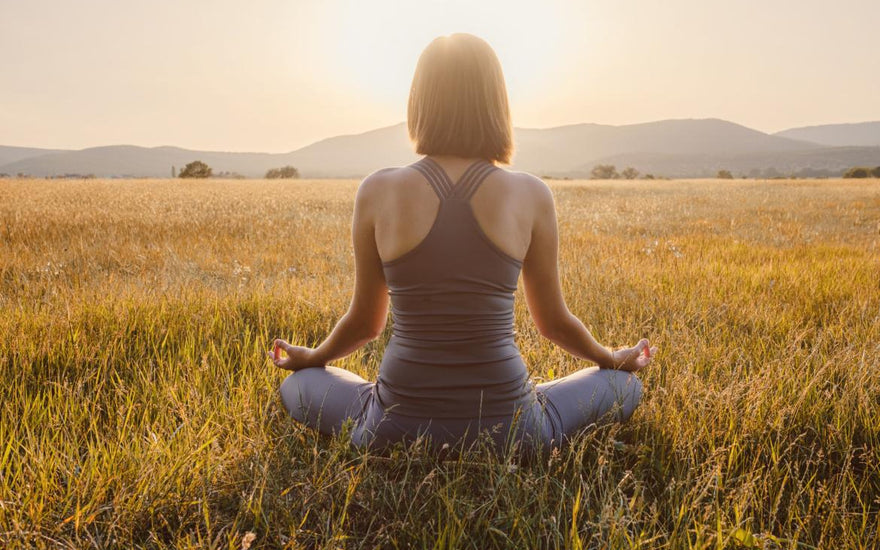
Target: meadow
137 409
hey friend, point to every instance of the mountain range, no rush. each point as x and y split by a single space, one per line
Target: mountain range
670 148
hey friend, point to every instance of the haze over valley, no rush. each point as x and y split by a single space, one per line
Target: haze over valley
669 148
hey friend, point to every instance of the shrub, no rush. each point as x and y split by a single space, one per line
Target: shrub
862 172
285 172
604 172
630 173
724 175
196 169
857 172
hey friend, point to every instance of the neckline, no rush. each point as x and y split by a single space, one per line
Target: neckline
445 175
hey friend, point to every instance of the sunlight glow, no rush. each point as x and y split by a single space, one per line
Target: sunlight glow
385 38
276 75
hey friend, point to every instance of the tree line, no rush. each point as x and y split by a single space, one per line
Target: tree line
862 172
609 172
198 169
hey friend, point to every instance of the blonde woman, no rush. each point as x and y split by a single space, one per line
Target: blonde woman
446 239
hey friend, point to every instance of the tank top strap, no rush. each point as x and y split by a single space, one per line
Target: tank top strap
435 176
472 178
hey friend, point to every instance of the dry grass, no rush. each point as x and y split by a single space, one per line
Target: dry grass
138 411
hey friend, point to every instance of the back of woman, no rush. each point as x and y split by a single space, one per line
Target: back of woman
452 351
446 239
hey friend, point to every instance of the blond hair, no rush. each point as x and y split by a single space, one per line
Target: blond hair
458 101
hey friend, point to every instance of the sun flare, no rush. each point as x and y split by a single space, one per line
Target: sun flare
385 38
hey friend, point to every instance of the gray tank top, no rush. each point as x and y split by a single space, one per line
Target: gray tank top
452 352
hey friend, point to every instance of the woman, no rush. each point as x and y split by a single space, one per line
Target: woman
446 238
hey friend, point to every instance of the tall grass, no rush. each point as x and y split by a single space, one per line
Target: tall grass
138 409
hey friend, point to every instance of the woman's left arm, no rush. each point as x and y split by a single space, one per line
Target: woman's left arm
368 311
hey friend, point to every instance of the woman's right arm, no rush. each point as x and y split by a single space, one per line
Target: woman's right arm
547 305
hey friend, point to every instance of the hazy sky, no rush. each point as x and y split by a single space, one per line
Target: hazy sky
274 75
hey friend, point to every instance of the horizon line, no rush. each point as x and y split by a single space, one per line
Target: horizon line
360 133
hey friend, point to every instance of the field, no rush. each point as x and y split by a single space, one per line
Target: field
137 409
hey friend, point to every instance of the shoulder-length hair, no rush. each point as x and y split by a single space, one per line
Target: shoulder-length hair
458 101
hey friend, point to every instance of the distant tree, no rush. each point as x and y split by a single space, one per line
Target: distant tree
231 176
629 173
858 172
816 173
285 172
876 172
604 172
648 177
724 175
196 169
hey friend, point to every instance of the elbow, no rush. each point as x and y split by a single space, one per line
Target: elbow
367 333
373 333
364 330
556 328
550 332
375 328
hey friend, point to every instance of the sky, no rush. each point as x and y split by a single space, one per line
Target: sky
275 75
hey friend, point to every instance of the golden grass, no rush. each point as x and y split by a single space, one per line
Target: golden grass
138 410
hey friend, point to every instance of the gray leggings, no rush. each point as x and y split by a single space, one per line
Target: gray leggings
326 398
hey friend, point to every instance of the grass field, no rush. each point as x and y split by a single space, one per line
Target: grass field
138 409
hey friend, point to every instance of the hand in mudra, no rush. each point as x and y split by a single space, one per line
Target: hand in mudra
290 357
635 358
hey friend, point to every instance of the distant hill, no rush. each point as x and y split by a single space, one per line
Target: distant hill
354 155
865 134
672 148
341 156
570 148
824 161
12 154
133 161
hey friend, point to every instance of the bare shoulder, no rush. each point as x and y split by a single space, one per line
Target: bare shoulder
380 183
375 182
532 187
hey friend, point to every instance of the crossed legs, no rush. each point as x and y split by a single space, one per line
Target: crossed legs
325 398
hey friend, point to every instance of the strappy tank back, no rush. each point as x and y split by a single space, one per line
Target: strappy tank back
452 352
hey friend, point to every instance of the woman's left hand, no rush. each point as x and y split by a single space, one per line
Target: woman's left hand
297 357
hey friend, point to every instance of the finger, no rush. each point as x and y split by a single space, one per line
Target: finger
640 347
285 346
648 358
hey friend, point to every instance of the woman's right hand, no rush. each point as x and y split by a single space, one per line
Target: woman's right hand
635 358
